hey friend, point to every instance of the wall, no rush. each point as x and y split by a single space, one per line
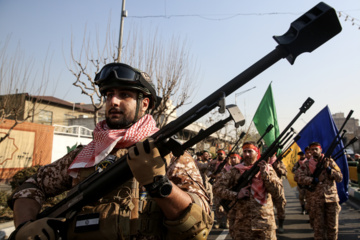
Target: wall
61 143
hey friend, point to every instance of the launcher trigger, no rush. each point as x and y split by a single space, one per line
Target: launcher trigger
221 103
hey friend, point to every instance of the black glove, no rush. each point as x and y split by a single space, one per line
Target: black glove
328 170
44 229
315 181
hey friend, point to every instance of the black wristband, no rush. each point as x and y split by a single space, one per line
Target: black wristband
160 188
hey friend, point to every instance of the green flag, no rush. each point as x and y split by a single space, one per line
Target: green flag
266 115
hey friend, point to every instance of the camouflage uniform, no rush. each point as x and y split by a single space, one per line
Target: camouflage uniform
300 188
248 219
204 171
280 201
324 200
136 217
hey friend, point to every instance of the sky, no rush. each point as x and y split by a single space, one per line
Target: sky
226 37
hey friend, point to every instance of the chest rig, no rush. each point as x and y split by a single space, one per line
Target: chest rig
122 214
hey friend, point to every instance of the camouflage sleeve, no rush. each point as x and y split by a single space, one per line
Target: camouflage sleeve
50 180
335 172
303 175
184 173
223 184
272 182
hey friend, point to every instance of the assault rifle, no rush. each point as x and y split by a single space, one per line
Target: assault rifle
320 165
248 175
268 129
222 164
341 152
305 34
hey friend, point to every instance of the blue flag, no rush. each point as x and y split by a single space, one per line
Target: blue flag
323 130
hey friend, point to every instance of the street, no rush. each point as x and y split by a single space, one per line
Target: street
296 226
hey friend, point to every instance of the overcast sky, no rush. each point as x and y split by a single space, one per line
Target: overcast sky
226 37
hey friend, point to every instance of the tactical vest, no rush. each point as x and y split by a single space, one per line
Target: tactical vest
124 213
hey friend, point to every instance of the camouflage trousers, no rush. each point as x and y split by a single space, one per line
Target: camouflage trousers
302 193
326 220
279 204
220 214
241 234
309 202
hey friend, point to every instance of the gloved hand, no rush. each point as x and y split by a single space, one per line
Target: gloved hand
328 170
145 162
44 229
244 192
315 181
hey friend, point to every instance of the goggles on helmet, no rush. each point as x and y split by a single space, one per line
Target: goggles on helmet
124 76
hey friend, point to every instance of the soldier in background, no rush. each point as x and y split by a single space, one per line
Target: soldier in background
252 216
300 188
325 200
280 200
204 166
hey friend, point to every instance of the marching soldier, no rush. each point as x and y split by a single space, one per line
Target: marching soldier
325 200
252 216
300 188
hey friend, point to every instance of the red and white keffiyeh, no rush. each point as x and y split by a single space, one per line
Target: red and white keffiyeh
105 139
257 184
313 163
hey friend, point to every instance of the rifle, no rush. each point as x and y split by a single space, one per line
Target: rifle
247 176
320 165
339 153
268 129
222 164
305 34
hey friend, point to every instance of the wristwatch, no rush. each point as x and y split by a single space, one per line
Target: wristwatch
160 188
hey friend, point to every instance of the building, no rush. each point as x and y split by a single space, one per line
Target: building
46 110
352 129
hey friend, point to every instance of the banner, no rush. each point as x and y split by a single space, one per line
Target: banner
266 115
28 145
323 130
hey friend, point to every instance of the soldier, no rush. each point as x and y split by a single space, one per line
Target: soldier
300 188
325 200
204 167
252 216
220 214
175 191
280 200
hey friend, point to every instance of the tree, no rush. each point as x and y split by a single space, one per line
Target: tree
168 62
17 76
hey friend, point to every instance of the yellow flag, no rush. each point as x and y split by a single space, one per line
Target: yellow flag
289 161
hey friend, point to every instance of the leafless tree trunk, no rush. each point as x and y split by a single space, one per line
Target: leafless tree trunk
17 76
168 62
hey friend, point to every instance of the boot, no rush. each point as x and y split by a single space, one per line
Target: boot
303 212
281 226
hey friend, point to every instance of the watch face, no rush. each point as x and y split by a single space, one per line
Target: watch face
165 190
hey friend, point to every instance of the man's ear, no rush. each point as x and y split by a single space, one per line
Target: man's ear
145 104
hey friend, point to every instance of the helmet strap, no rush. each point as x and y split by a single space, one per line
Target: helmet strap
138 104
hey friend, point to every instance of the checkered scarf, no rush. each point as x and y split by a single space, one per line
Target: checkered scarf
106 139
257 184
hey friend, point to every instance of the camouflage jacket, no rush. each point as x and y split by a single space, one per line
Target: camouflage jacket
326 189
53 179
247 213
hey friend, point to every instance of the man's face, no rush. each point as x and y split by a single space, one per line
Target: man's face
206 156
315 152
221 156
234 160
308 154
250 156
302 157
121 106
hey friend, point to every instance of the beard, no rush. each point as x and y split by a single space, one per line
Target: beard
119 123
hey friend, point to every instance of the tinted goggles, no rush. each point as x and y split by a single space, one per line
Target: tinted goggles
121 71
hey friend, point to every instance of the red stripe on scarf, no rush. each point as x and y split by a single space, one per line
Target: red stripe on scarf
257 184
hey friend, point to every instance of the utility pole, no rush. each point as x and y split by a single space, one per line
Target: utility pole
123 15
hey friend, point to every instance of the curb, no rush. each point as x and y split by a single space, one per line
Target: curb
354 193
